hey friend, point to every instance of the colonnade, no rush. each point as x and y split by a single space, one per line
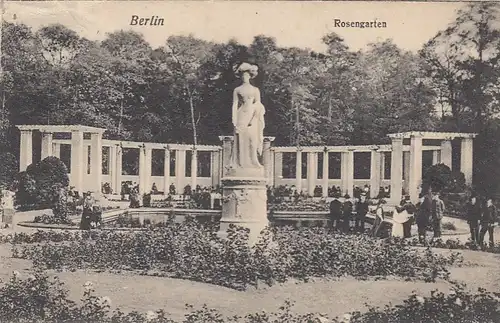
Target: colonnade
405 152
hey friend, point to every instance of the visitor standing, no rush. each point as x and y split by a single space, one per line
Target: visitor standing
347 208
437 214
422 216
361 212
473 215
335 213
408 206
488 222
379 218
87 211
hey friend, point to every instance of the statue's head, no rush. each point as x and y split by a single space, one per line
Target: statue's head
247 71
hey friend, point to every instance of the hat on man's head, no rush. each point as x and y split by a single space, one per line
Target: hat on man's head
347 196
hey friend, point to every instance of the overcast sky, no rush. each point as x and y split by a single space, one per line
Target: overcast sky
300 24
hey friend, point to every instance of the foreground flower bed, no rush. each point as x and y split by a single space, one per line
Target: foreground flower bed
41 299
189 250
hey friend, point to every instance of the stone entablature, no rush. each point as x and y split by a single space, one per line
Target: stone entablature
433 135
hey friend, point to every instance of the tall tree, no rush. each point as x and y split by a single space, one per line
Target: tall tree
184 57
463 65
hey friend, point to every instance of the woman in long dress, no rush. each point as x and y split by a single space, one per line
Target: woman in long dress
399 217
248 120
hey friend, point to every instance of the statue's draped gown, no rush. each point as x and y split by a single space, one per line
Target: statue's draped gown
249 132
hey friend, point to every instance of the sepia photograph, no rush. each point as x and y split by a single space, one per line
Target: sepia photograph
249 162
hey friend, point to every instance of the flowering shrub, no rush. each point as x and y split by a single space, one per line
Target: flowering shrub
301 205
41 299
457 306
192 251
453 244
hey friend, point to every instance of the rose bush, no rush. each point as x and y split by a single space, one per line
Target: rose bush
41 299
300 205
457 306
189 250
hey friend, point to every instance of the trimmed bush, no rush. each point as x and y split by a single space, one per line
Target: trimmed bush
439 177
40 186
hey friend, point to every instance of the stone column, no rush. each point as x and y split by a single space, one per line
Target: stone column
25 150
446 153
298 170
96 160
267 159
118 169
180 170
56 150
375 159
382 166
227 146
112 168
77 160
466 159
194 168
326 169
406 171
436 157
166 171
415 167
347 172
278 167
142 169
46 145
312 172
148 155
396 170
215 167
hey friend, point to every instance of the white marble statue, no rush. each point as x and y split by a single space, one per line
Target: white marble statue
248 120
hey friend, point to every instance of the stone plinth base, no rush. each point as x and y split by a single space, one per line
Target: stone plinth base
245 173
244 203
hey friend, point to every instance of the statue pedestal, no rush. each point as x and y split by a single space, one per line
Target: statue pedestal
244 204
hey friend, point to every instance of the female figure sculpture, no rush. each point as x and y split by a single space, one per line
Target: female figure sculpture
248 120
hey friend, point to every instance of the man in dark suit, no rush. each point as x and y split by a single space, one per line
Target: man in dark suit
347 208
473 215
335 213
361 211
488 222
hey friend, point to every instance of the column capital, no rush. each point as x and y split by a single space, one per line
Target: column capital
226 138
269 139
375 148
